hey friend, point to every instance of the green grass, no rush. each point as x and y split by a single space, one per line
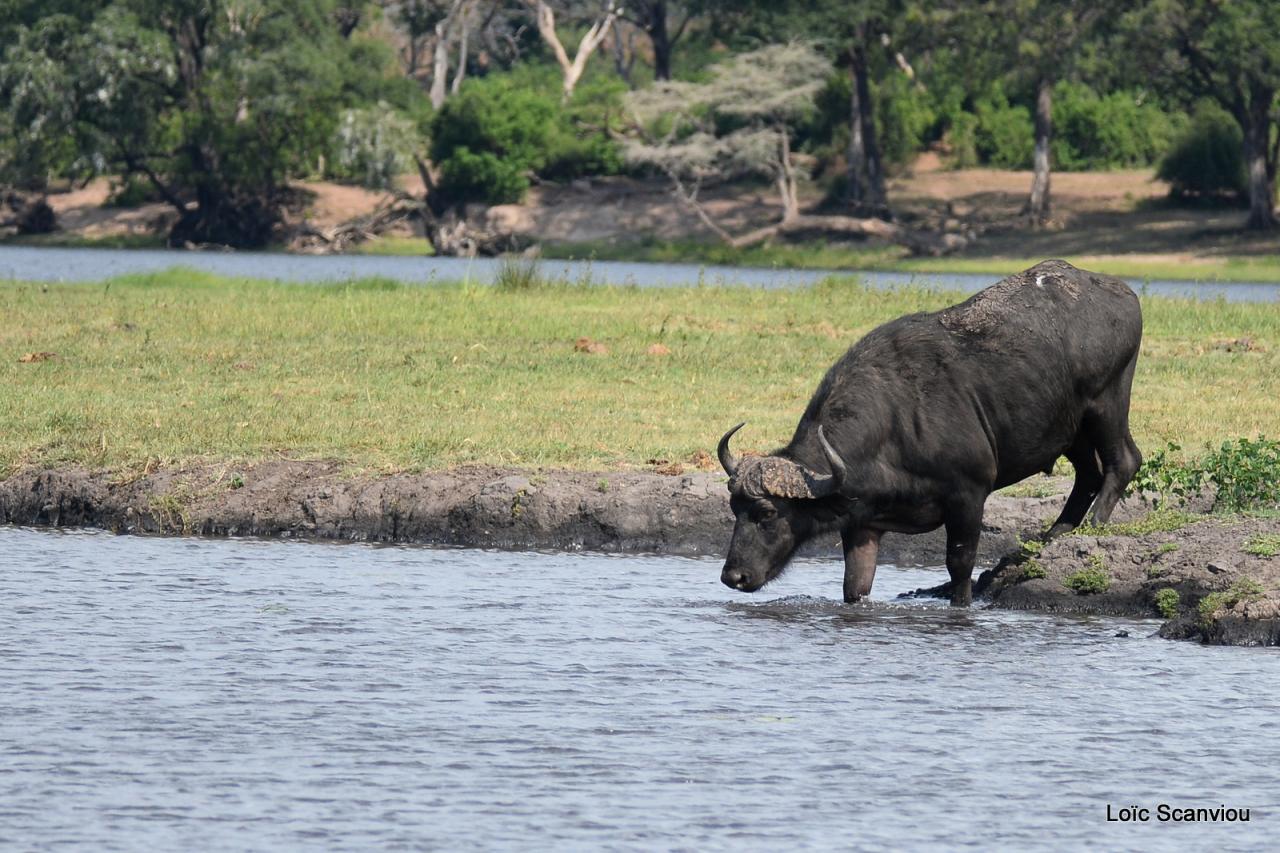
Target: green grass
180 366
1263 545
1162 520
400 246
1245 589
822 255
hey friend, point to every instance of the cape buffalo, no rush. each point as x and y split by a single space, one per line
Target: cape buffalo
928 414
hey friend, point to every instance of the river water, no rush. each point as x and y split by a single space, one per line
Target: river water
233 695
28 263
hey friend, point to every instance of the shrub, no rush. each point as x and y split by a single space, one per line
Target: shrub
1244 474
1206 158
469 176
1245 589
1167 601
1112 131
498 129
1004 135
373 146
1088 581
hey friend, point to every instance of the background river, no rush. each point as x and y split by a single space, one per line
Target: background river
30 263
232 695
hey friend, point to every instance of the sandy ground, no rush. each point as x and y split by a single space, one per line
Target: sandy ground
1095 214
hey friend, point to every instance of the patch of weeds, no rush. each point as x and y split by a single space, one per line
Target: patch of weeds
237 481
1167 548
516 275
1245 589
1167 601
1032 569
1244 475
1090 580
1154 572
1037 488
1263 545
517 508
602 485
1161 520
171 511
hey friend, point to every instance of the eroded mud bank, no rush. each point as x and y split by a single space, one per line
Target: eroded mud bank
640 512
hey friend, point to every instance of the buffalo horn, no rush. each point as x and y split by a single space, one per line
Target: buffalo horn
839 473
727 460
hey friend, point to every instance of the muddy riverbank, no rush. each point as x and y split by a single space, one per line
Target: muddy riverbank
1121 571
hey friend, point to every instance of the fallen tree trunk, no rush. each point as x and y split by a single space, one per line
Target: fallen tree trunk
919 242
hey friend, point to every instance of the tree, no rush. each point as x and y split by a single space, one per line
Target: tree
1037 43
1228 52
572 69
740 122
215 104
650 16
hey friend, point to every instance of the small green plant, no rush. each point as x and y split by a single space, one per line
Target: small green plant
1244 475
1154 572
1245 589
1167 548
1032 569
1162 520
1090 580
1263 545
237 481
1167 601
602 485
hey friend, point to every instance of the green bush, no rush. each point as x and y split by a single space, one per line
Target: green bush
1004 135
481 176
1167 601
1206 159
500 128
1091 580
1113 131
373 146
904 119
1244 475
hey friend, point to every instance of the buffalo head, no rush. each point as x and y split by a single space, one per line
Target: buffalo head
777 504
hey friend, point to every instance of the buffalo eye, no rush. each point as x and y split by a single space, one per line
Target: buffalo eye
766 513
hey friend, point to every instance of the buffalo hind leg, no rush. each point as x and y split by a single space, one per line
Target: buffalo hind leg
1121 459
964 528
860 549
1088 481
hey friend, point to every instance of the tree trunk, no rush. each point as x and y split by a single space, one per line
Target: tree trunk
856 166
1256 124
661 40
571 68
787 178
874 199
1038 204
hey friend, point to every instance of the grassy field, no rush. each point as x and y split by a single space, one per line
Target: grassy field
181 366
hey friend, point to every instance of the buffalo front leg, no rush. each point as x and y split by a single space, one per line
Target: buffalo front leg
860 549
964 528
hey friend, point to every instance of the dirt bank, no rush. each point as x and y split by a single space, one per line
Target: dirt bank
1214 579
633 512
1125 571
1096 214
